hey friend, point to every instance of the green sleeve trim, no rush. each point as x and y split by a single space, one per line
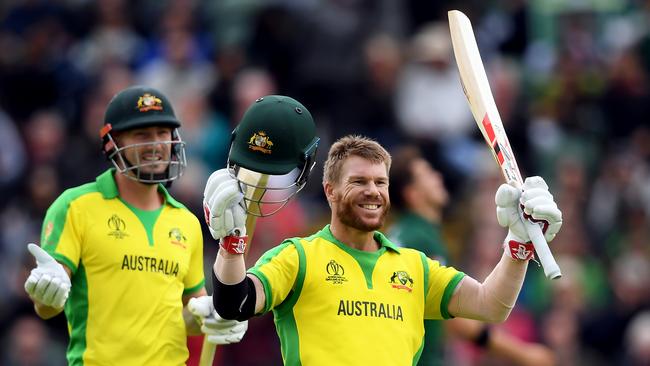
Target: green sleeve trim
192 289
65 260
291 300
266 286
76 312
283 313
425 267
57 213
418 354
449 291
265 258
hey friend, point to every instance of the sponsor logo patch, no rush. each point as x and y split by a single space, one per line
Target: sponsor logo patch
402 281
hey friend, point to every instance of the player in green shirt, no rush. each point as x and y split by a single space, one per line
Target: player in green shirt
418 193
120 256
347 295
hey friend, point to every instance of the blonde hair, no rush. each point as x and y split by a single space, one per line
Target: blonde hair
353 145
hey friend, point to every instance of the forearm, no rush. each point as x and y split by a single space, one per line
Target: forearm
236 296
229 268
493 299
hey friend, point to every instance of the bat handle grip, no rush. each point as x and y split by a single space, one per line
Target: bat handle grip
551 269
208 351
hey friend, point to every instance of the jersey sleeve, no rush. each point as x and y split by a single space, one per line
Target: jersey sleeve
440 282
62 232
277 269
195 278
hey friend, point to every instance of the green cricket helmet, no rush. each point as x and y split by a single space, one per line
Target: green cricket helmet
141 107
272 152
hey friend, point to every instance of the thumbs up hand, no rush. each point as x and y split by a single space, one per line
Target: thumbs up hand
48 283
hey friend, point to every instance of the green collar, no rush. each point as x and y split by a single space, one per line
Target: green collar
108 188
381 239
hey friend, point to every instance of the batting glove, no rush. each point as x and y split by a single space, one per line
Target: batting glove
48 283
538 206
216 329
224 211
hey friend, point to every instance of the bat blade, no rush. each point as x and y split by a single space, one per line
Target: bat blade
481 102
255 185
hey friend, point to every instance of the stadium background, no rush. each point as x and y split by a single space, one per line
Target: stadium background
571 79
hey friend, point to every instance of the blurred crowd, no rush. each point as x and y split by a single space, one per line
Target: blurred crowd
571 80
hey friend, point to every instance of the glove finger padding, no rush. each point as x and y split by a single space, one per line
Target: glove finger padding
41 286
51 291
224 331
215 179
538 202
201 306
534 182
221 195
216 329
226 195
32 280
507 200
507 196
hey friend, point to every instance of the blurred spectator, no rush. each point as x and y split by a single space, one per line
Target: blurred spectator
112 39
12 156
431 107
570 80
180 69
637 340
28 345
36 74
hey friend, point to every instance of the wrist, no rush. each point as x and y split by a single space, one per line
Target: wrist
234 245
518 248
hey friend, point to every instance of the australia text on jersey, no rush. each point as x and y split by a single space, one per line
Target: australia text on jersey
370 308
150 264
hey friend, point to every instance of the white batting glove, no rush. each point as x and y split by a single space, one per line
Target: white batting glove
48 283
223 206
538 207
216 329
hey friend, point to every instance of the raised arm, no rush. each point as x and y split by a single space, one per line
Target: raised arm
236 295
493 299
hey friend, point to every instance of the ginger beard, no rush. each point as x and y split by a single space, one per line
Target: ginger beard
345 211
354 201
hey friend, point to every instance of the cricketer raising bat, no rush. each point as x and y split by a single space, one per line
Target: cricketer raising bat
255 189
481 102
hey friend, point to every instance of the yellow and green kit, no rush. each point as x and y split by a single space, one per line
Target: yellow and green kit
130 269
334 305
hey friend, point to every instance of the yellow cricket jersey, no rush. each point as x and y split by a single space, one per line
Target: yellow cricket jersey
130 269
334 305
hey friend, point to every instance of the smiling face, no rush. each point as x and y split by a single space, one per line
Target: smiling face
147 148
359 199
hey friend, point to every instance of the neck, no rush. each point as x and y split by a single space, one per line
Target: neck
139 195
430 213
354 238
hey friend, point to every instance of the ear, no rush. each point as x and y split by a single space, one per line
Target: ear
328 188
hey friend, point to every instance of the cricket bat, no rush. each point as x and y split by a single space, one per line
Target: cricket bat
481 102
255 189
